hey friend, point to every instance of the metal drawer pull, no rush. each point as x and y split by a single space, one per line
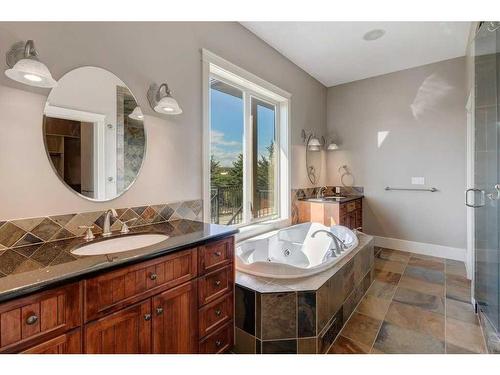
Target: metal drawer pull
218 312
147 317
217 282
32 319
218 343
153 276
218 253
159 310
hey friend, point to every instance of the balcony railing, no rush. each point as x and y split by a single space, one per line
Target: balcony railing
226 204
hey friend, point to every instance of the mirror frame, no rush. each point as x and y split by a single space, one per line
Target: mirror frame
49 160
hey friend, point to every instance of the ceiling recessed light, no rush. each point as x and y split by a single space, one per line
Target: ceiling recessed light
374 35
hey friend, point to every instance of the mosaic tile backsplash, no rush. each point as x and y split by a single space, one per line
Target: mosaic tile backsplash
31 231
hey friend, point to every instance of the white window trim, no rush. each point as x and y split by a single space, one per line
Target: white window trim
215 65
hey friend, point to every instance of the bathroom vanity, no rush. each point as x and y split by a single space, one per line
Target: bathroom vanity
346 211
173 297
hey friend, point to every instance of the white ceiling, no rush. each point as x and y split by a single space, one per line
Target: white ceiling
336 53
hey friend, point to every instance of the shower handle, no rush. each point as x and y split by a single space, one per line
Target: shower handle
472 204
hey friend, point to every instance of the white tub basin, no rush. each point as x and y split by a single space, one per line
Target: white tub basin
293 252
119 244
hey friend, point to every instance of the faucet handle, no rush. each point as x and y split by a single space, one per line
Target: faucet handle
125 228
89 236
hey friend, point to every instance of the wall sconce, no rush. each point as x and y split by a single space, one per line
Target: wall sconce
163 102
136 114
25 67
313 142
332 146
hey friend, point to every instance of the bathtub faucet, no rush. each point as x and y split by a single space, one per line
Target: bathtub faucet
339 244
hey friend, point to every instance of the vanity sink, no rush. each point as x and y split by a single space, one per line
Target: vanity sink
119 244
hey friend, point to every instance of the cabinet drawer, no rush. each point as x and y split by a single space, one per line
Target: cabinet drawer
215 284
69 343
215 314
116 289
215 255
30 319
219 341
351 206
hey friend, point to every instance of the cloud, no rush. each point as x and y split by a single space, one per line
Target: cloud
217 138
223 150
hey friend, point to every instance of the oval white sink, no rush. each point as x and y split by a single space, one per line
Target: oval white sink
119 244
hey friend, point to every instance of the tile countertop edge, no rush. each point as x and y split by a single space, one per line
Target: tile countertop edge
183 242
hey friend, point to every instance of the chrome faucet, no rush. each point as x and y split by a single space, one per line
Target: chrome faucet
320 192
339 244
106 230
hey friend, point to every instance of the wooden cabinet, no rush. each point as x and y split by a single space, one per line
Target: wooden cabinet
178 303
68 343
349 214
175 316
114 290
127 331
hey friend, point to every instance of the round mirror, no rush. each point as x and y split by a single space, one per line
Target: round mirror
94 133
313 159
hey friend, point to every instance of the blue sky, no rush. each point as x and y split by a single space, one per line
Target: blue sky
227 127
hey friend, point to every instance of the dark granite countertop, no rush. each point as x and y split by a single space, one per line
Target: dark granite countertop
63 266
333 199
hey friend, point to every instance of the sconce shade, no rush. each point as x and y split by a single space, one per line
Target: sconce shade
314 142
314 148
31 72
168 105
161 100
136 114
332 146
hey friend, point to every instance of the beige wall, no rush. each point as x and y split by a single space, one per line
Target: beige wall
139 54
422 111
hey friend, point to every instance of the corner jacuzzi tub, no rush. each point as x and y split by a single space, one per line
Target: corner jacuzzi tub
293 252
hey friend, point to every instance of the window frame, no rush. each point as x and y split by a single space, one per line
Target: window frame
251 86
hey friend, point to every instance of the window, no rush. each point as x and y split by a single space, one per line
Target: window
245 146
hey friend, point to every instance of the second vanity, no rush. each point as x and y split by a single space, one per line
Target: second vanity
346 211
175 296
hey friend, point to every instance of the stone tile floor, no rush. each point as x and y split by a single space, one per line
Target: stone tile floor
416 304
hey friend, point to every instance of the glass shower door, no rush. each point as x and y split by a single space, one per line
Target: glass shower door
485 195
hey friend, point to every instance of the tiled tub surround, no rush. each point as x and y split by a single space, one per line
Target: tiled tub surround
31 231
355 191
42 266
301 315
416 305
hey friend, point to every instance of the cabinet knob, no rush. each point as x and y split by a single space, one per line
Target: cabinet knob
218 343
32 319
147 317
153 276
218 253
217 282
218 312
159 310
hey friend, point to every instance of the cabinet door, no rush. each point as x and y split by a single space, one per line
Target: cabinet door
175 320
127 331
69 343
